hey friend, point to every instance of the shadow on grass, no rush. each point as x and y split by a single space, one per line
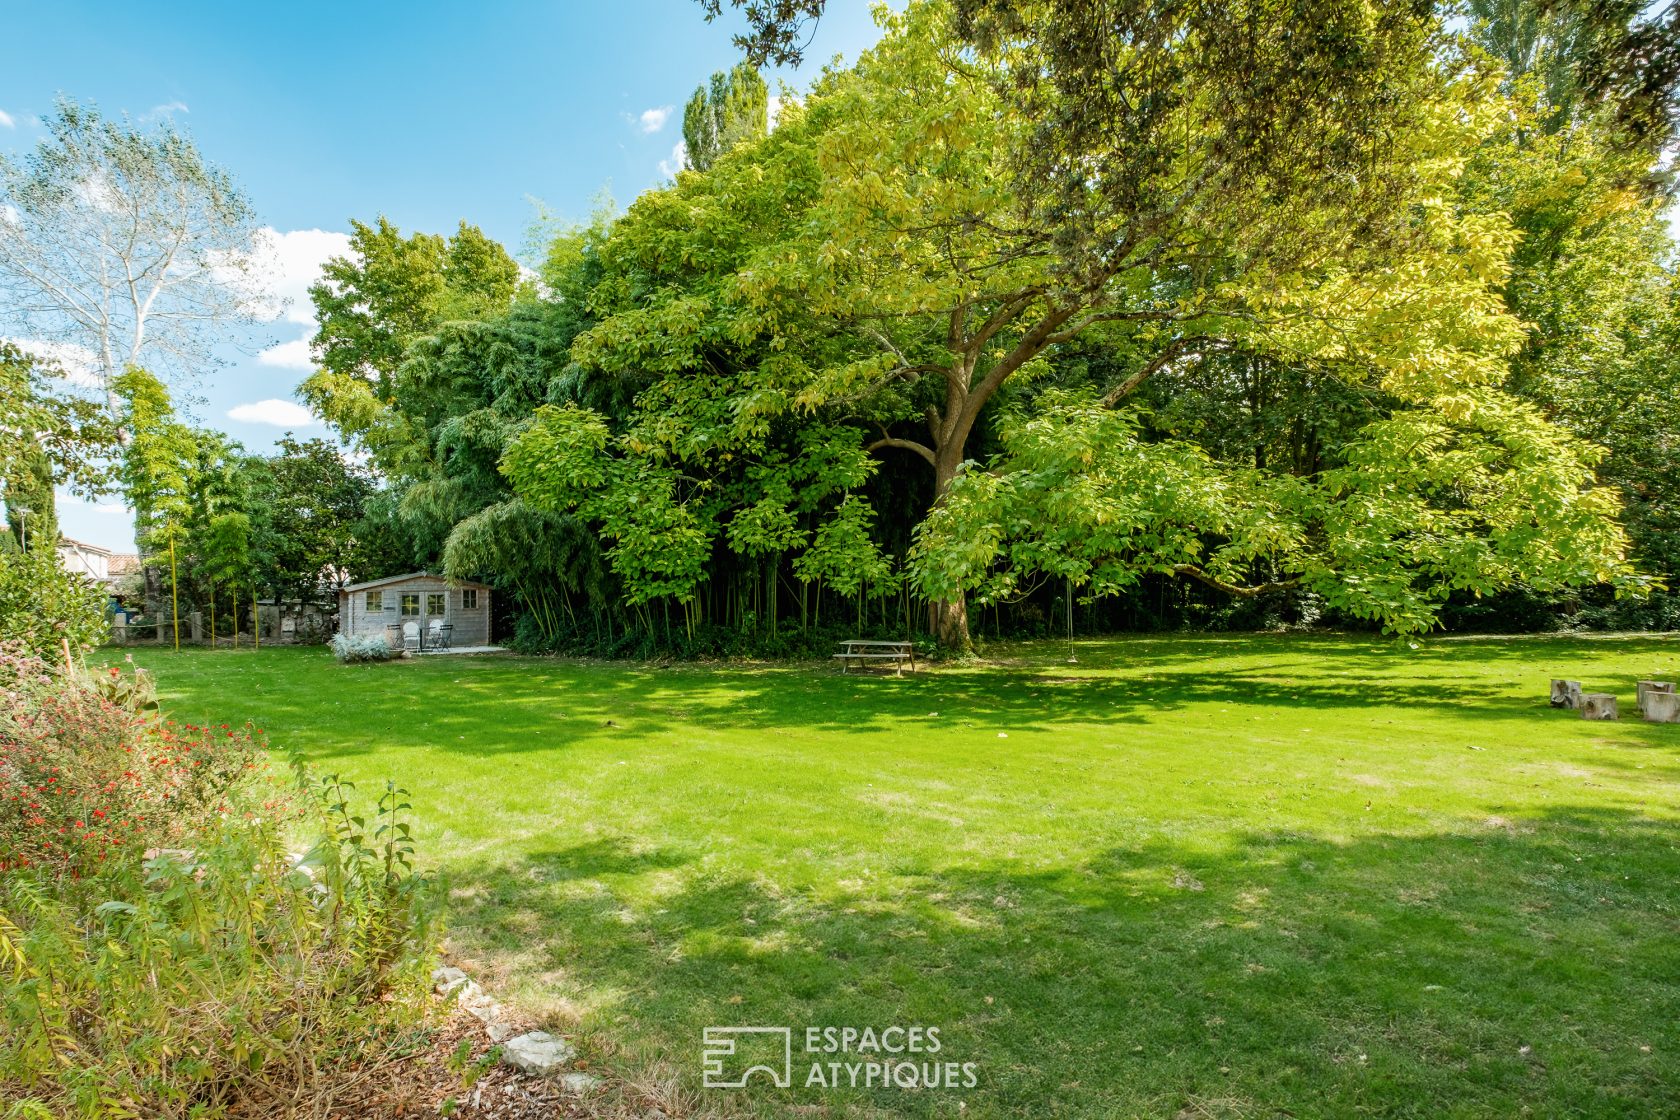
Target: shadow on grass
1523 966
513 705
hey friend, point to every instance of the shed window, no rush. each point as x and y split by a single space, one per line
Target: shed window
376 600
469 599
435 603
411 605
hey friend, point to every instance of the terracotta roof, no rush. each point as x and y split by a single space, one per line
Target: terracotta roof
123 563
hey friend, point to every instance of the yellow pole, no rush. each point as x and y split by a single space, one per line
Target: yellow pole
236 616
256 621
174 594
212 616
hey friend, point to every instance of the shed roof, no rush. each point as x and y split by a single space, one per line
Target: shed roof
388 580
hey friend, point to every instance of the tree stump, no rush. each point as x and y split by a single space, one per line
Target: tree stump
1645 688
1566 694
1598 705
1661 707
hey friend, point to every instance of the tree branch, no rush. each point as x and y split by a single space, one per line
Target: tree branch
1174 349
907 444
1232 588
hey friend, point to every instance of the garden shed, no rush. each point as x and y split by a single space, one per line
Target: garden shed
381 606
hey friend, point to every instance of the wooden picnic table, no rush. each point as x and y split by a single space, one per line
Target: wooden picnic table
861 651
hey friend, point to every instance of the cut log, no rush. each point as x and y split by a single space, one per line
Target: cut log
1661 707
1566 694
1598 705
1643 688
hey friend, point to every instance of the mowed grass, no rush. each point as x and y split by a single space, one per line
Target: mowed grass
1186 877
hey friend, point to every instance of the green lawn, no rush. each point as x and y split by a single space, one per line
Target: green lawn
1186 877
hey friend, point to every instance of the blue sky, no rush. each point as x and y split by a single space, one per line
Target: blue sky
424 112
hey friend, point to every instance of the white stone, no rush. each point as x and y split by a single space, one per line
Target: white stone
478 1005
500 1032
537 1053
580 1083
447 981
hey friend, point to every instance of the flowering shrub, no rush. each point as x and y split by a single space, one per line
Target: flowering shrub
86 779
164 950
354 649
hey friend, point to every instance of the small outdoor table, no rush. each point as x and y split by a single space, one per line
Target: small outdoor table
860 651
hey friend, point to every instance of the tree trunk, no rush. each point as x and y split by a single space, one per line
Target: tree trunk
948 618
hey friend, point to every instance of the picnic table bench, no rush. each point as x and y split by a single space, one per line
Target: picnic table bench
861 651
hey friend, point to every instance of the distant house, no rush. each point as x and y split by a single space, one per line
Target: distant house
122 565
381 606
85 559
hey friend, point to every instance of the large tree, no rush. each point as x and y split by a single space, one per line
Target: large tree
315 501
1593 274
916 246
386 292
123 247
433 359
1624 54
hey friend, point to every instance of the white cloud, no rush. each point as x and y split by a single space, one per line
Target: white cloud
288 355
775 110
6 120
678 160
111 508
79 364
281 414
285 264
652 120
166 109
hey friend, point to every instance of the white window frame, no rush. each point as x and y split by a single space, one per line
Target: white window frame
402 604
374 601
469 598
439 599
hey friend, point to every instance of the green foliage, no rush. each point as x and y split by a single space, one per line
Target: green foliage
134 691
1425 505
42 605
315 501
388 291
871 273
844 554
47 439
157 471
733 111
1270 338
